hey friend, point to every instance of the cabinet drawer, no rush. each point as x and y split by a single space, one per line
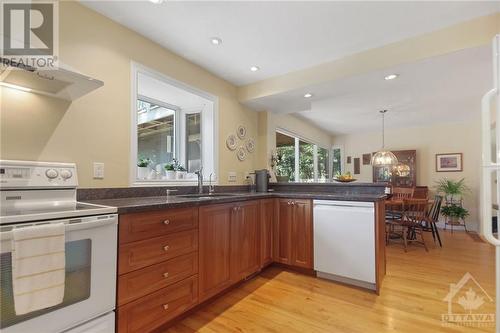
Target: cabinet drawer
139 226
133 256
154 310
147 280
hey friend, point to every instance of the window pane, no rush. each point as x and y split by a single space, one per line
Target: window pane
306 161
193 142
337 161
285 151
155 134
323 162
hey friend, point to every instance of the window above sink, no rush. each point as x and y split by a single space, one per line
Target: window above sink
173 132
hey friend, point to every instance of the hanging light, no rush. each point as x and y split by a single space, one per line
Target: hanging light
384 157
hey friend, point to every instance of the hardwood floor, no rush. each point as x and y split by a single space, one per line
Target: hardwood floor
411 298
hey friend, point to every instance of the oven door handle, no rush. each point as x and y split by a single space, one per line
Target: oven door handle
70 224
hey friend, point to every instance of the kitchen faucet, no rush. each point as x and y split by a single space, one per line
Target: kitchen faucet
211 188
199 173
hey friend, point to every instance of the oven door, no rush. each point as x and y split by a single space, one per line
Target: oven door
90 284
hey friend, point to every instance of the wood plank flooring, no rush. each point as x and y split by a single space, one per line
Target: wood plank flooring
411 298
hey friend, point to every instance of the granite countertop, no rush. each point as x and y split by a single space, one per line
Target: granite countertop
137 204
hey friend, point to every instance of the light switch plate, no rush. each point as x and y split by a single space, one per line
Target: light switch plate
98 170
231 177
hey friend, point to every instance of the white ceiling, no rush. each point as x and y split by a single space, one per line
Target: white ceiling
281 37
441 89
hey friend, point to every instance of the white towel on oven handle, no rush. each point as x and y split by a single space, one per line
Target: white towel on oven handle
38 266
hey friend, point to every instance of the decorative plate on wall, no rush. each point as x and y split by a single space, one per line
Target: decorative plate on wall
241 131
250 144
241 153
231 142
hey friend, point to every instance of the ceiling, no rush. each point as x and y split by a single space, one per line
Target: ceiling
441 89
281 37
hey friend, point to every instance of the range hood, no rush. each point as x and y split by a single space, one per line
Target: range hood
61 82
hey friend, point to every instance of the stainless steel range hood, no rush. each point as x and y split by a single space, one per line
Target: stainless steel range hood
62 83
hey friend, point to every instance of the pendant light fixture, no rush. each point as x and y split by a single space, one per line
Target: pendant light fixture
384 157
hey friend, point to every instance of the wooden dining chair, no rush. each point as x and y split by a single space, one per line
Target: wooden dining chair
394 211
413 222
400 193
432 218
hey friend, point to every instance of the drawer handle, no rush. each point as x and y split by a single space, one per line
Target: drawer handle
165 306
166 247
166 222
165 275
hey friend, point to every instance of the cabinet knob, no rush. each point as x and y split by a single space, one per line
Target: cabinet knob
289 202
166 247
165 275
166 222
165 306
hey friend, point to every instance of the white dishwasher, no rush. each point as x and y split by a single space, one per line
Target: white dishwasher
344 241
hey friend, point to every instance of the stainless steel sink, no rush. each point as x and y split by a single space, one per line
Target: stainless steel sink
207 195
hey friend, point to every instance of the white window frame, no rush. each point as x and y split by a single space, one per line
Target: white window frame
342 160
137 68
316 145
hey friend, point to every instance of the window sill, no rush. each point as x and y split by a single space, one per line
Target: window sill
175 182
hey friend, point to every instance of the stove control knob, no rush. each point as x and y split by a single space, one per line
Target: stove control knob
51 173
66 174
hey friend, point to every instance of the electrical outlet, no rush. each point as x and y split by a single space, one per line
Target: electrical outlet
231 177
98 170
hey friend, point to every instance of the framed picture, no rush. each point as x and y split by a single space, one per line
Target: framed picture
357 168
451 162
348 159
367 159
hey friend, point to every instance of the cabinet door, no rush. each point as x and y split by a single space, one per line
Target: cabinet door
214 250
283 232
302 234
266 231
245 246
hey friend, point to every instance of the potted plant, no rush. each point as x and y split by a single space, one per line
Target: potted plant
454 213
181 172
452 189
170 169
143 167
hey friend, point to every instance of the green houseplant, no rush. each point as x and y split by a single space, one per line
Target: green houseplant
143 167
170 169
454 212
452 189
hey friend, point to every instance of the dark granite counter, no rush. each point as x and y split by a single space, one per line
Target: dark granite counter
137 204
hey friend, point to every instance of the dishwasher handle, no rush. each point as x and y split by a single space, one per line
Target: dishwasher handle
339 203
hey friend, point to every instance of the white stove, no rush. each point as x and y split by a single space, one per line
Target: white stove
33 193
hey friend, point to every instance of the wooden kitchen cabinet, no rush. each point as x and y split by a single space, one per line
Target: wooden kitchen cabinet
214 249
302 234
293 233
267 218
283 232
245 240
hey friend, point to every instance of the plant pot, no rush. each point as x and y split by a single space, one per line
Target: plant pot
454 220
181 174
170 175
142 172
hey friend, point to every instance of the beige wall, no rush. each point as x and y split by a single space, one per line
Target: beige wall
268 124
96 127
428 141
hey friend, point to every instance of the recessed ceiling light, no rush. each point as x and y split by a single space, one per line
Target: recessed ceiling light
156 1
308 95
216 40
391 77
254 68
